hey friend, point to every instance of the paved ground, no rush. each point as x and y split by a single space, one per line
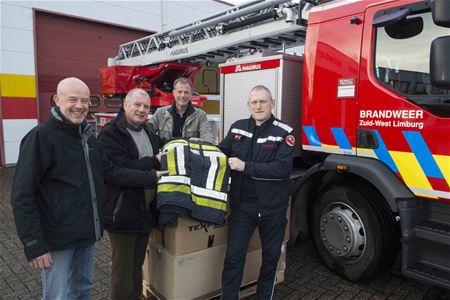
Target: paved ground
306 277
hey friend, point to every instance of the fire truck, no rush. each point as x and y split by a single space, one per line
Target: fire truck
368 91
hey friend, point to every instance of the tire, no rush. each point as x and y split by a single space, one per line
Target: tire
355 232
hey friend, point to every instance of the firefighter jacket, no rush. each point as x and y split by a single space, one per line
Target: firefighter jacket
125 210
268 161
195 125
58 186
197 183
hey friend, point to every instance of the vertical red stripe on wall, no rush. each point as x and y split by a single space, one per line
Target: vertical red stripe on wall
18 108
2 143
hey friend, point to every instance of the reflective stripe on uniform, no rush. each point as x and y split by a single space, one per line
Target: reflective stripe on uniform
208 193
209 203
269 138
243 132
221 172
282 125
175 179
170 187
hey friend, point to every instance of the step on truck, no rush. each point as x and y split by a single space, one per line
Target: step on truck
366 85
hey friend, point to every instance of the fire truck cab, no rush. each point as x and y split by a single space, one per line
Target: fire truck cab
376 119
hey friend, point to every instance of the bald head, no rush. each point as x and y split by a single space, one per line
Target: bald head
73 98
71 83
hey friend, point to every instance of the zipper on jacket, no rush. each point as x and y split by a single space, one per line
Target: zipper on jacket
95 212
187 122
117 208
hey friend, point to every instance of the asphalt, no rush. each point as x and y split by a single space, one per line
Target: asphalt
305 277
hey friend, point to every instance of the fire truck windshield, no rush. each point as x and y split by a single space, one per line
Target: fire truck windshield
402 62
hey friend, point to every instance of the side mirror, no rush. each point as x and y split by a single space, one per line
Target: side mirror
441 12
405 29
440 62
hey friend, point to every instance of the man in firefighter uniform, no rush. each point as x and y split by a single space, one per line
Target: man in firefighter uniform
260 156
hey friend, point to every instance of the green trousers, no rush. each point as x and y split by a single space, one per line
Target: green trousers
128 254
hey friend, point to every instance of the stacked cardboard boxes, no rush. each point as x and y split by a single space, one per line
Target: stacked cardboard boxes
186 262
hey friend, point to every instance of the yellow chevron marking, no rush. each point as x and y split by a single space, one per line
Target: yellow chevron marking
443 162
330 146
410 169
12 85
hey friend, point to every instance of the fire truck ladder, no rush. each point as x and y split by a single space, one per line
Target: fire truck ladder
255 26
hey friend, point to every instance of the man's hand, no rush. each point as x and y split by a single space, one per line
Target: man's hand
236 164
41 262
160 173
158 156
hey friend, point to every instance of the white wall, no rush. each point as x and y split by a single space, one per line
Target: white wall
16 22
17 53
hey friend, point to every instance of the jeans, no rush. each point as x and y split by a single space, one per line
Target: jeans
71 274
242 224
128 254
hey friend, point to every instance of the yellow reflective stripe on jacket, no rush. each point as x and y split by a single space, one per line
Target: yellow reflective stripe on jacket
167 187
209 203
220 172
204 147
171 166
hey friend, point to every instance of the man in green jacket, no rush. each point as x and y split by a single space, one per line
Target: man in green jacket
182 119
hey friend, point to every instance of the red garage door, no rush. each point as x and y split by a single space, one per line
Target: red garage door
67 47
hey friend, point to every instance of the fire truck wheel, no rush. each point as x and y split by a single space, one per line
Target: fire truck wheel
354 231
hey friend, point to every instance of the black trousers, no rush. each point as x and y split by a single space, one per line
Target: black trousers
128 254
242 224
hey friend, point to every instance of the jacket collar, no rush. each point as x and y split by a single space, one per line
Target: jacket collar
252 122
58 119
173 108
122 124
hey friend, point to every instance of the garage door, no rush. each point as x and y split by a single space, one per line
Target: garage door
67 46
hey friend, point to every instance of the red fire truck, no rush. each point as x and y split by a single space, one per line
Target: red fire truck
369 96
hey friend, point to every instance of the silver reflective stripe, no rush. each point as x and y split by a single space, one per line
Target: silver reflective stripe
212 173
282 125
180 161
199 191
212 153
434 193
173 145
243 132
195 151
269 138
175 179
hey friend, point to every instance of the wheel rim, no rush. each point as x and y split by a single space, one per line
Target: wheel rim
342 232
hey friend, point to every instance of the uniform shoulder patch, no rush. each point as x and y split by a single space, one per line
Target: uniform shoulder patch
290 140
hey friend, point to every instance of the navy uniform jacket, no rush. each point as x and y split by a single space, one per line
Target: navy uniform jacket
270 166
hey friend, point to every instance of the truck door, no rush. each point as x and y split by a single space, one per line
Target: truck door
403 120
331 84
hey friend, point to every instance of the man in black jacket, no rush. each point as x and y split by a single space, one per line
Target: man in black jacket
58 191
130 142
260 156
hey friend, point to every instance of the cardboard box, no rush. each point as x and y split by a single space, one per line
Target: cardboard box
189 236
192 235
192 275
195 275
